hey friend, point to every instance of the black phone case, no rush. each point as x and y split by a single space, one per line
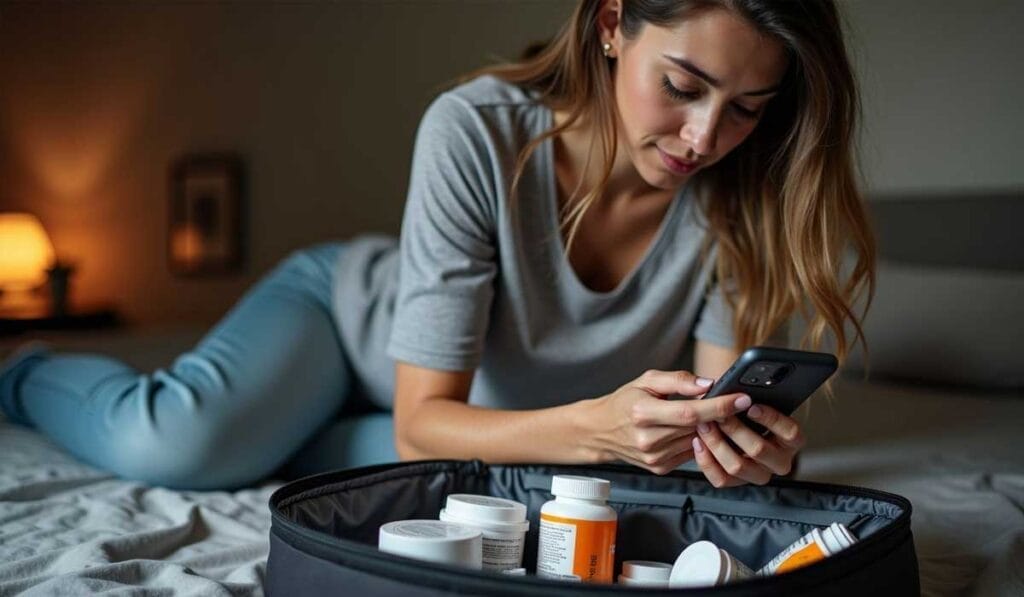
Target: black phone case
810 370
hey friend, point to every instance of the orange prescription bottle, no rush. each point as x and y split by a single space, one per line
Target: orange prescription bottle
577 531
814 546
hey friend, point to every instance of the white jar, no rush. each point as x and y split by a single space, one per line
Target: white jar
642 573
577 531
703 564
434 541
815 545
502 522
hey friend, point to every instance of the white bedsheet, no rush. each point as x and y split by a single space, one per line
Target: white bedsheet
67 528
958 456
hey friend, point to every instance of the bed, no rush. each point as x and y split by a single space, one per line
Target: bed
68 528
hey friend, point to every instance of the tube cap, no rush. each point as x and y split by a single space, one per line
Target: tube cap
585 488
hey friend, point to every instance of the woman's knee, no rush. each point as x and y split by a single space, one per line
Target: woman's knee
203 459
315 259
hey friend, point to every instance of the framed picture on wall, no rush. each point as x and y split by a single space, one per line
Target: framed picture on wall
205 226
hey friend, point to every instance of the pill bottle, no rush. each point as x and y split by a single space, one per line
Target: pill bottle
514 572
815 545
434 541
502 522
704 564
577 531
642 573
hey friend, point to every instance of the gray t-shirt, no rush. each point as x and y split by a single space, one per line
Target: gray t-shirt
468 287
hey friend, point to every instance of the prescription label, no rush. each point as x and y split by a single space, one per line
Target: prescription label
580 550
805 555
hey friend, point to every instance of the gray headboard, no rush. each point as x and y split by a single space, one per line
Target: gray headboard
949 306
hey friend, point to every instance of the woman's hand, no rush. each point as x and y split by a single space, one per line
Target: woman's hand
639 425
760 456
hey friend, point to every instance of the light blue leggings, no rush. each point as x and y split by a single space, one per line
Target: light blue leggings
268 387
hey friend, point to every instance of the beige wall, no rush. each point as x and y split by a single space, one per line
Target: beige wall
322 100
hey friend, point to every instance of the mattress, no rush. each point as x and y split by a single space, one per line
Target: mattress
67 528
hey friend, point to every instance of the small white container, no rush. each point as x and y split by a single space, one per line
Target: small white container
815 545
642 573
514 572
502 522
434 541
703 564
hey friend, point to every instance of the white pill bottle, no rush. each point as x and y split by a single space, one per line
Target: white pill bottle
577 531
503 523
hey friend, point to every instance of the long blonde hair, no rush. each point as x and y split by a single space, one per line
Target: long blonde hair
784 205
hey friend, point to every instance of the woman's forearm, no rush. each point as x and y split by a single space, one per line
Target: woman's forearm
440 428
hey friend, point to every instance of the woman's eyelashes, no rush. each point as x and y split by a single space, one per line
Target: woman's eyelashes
678 94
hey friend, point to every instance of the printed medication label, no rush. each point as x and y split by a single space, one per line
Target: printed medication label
579 550
806 555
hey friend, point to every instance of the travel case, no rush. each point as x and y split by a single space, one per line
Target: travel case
323 538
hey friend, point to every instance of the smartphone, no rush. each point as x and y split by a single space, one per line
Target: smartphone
777 377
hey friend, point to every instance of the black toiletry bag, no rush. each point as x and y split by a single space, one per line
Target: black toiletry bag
323 540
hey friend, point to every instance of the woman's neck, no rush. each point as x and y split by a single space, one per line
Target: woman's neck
625 185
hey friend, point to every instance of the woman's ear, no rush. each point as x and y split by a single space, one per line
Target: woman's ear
608 18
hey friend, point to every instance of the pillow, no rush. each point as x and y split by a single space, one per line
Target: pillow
945 325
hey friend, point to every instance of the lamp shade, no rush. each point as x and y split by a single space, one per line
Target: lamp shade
25 251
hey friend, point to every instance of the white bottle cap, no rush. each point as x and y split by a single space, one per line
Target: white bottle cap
834 539
700 565
433 540
643 570
584 488
495 514
841 528
625 580
515 572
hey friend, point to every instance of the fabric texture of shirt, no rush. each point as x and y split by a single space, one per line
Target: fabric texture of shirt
469 286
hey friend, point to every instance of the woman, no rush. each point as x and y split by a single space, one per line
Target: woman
661 170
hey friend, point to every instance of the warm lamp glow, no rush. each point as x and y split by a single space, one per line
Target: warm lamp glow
25 252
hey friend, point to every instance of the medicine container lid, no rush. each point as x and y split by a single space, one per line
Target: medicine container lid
699 565
429 531
586 488
646 571
484 508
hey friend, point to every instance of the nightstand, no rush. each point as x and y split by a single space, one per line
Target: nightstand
13 323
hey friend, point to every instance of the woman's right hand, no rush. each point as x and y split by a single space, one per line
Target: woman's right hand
651 421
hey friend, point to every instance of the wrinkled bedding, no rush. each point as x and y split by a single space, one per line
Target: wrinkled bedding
958 456
67 528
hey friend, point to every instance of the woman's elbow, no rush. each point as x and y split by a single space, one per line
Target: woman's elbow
404 450
405 447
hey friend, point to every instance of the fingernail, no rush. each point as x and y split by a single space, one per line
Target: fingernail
704 382
755 411
697 446
703 427
742 402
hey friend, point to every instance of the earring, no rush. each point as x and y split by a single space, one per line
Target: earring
607 48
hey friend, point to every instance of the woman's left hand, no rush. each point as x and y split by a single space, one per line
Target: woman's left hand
761 456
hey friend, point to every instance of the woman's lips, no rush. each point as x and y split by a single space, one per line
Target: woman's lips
676 165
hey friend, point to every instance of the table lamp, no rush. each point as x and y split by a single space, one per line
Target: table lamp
26 255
